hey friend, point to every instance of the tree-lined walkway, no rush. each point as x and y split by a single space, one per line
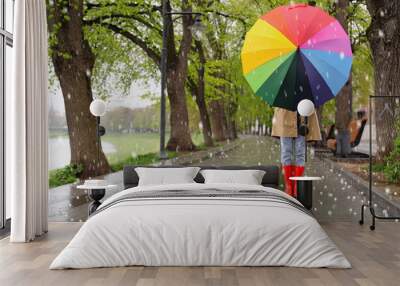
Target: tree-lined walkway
336 197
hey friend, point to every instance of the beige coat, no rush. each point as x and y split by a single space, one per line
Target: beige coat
284 124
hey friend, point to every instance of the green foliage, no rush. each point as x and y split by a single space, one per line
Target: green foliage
118 62
145 159
58 18
363 75
328 117
390 166
392 163
118 59
63 176
376 167
362 72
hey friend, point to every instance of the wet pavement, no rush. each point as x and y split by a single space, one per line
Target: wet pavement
335 197
67 203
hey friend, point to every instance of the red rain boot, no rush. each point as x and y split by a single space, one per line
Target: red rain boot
298 172
287 173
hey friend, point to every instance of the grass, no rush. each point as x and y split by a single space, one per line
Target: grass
133 145
377 167
63 176
144 159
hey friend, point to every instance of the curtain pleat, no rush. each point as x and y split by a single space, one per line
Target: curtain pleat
29 158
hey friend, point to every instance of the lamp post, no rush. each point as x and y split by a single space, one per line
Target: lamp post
197 28
305 108
98 108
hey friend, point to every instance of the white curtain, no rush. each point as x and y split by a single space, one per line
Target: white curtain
27 123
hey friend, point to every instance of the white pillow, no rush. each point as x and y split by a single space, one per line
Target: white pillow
248 177
166 176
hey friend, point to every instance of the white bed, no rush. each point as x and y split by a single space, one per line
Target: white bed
202 231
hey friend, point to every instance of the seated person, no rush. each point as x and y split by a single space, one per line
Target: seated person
356 127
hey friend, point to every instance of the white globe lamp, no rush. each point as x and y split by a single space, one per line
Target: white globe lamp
97 107
305 107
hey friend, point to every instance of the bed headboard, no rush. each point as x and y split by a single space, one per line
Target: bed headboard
270 179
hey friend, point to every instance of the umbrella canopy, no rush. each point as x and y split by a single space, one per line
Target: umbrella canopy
296 52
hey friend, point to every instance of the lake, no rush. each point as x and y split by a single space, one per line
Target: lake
117 146
59 159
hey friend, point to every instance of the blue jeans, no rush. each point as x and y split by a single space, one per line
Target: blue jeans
287 151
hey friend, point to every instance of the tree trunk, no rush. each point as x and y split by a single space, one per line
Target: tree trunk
217 51
219 122
320 113
180 139
198 90
259 127
234 129
200 98
250 127
232 132
266 130
217 114
73 62
204 117
344 98
384 38
232 107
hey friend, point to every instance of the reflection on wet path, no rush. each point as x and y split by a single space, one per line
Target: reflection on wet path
334 198
67 203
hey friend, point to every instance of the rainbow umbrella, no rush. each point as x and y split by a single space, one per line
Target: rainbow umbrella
296 52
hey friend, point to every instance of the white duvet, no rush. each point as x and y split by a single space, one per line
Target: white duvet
193 231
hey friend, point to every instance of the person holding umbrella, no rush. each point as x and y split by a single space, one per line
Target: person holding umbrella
294 53
293 132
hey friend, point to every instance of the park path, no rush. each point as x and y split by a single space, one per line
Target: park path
335 199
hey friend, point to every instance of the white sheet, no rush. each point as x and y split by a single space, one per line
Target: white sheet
219 232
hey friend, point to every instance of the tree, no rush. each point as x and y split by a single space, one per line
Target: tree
384 38
217 105
198 90
73 63
223 42
344 98
119 119
139 23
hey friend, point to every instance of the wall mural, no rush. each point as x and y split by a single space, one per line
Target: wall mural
230 77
